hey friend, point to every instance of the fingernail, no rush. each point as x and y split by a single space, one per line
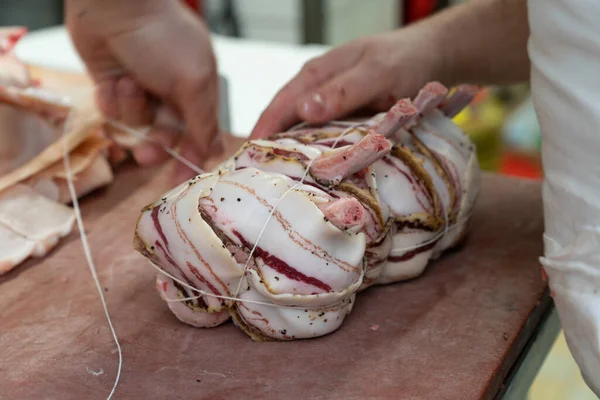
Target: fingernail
314 106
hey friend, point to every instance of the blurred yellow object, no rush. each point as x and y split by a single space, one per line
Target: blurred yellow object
559 377
483 122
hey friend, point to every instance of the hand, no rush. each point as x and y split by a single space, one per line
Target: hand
143 54
372 73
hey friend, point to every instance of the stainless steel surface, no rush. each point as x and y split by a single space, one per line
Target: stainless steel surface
527 368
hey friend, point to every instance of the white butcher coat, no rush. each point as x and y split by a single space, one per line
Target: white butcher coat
564 48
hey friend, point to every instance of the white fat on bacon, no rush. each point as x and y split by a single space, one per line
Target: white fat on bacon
30 225
302 258
14 249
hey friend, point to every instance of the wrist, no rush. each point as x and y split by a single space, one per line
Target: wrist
423 58
479 42
441 43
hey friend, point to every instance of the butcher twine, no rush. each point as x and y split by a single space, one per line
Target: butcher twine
142 134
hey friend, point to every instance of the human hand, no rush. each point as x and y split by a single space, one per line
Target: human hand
149 54
370 73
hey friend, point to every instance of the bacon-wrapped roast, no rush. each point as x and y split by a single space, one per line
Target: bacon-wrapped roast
367 202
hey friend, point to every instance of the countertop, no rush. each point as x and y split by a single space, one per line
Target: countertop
454 333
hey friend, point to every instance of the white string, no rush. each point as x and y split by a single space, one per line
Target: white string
87 251
142 135
262 231
86 247
236 298
247 264
208 294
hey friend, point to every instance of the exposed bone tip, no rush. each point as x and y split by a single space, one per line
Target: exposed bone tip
436 88
376 141
405 106
345 213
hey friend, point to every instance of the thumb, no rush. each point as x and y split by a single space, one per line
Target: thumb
341 95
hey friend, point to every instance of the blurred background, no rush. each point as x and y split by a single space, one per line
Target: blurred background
501 120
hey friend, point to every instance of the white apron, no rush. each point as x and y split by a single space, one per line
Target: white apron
564 48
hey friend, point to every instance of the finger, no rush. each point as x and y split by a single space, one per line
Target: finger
151 152
106 98
281 113
183 171
342 95
216 153
383 102
198 105
132 100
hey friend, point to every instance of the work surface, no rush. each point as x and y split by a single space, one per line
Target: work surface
452 334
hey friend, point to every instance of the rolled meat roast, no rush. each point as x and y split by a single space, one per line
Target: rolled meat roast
295 225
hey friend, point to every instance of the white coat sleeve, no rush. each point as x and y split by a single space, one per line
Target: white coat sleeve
564 48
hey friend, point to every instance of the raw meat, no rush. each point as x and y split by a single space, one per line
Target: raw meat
395 192
33 182
30 225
